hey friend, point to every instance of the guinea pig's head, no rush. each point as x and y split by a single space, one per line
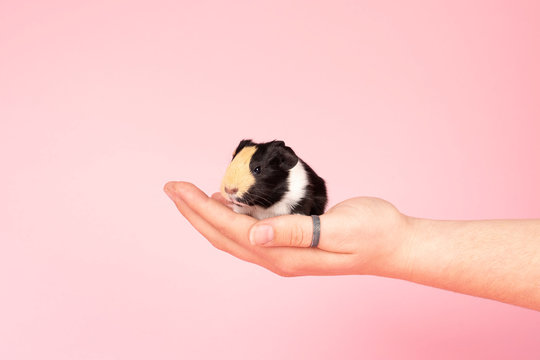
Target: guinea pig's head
257 174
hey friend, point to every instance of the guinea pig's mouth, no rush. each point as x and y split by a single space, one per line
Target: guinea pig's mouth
236 201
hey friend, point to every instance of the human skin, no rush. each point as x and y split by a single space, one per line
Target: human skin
495 259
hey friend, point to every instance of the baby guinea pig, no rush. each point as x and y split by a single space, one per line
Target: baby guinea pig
268 179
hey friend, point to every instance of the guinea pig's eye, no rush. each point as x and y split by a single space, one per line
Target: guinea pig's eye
257 170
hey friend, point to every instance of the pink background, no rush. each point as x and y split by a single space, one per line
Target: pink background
433 107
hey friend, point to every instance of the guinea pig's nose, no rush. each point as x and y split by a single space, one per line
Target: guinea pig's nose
231 191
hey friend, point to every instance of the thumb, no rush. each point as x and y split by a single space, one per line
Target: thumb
285 230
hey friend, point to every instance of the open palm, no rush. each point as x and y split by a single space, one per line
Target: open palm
358 236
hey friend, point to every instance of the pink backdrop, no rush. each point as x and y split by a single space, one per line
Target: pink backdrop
433 107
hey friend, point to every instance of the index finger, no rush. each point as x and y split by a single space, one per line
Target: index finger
234 226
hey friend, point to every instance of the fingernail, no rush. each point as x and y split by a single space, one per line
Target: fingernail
170 193
261 234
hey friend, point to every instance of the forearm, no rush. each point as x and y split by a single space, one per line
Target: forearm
495 259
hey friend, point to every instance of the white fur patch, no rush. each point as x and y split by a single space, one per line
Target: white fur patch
297 182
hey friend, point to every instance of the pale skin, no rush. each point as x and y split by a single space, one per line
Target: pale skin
494 259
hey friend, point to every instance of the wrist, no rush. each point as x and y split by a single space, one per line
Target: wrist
400 261
416 241
428 256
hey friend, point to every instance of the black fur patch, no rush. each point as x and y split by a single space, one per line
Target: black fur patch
274 160
315 200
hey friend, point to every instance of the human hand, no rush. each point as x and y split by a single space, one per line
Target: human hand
358 236
370 236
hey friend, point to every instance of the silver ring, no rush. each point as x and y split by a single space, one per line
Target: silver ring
316 231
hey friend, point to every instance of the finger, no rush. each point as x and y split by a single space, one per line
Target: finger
281 260
287 230
275 260
217 239
291 231
232 225
294 261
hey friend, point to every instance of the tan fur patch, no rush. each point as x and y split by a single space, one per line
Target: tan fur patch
238 174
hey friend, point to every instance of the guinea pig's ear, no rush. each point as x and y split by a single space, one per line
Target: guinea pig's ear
286 157
242 145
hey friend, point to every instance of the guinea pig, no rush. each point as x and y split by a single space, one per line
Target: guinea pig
268 179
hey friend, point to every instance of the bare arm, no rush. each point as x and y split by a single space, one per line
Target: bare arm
495 259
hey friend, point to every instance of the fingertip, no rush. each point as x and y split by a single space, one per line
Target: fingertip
261 234
169 189
179 189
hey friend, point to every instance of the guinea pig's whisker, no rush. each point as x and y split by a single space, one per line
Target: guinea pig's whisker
255 197
262 198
